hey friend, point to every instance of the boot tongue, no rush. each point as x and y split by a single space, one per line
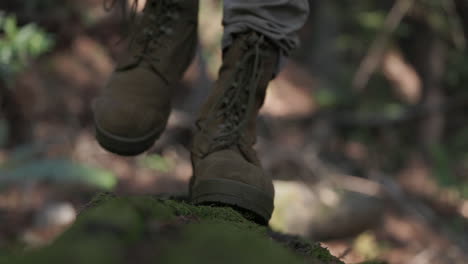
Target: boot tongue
225 124
149 34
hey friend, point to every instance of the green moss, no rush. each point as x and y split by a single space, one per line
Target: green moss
120 230
223 243
93 250
115 217
100 197
151 208
322 254
214 214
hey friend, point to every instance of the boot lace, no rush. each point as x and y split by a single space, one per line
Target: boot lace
110 4
127 13
238 101
159 17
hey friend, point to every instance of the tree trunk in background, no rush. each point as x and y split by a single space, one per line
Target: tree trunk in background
430 62
317 52
17 126
432 126
462 9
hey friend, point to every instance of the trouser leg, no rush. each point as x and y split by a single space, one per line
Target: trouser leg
279 20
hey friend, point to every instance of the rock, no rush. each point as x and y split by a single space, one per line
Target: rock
323 213
55 214
49 222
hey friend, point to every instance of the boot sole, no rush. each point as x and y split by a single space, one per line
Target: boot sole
234 193
125 146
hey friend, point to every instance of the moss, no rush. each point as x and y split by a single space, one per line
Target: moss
214 214
116 217
221 243
151 208
93 250
99 198
322 254
146 229
302 247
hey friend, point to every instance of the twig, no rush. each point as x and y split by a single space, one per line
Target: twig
371 61
416 209
345 253
350 119
425 256
458 35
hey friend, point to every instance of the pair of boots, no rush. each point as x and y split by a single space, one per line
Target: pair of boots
133 109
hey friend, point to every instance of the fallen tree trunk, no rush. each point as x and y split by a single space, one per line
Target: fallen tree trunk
146 229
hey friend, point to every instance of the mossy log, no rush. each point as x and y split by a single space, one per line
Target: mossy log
145 229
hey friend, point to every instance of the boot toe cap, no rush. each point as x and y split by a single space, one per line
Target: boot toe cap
128 120
233 167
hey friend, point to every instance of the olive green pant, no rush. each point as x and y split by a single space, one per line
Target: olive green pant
279 20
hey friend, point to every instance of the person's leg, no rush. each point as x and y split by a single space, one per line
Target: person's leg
226 167
278 20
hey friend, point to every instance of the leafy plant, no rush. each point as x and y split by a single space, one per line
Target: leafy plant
58 171
27 164
19 45
157 163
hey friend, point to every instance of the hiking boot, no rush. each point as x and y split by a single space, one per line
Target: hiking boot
133 109
226 168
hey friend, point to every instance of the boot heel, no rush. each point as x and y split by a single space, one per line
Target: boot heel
125 146
233 193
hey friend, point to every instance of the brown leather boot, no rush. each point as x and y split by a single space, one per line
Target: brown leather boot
226 168
132 110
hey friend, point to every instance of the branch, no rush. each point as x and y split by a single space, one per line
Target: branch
371 61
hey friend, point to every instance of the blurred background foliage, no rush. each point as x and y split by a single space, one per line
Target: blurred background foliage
20 45
365 130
